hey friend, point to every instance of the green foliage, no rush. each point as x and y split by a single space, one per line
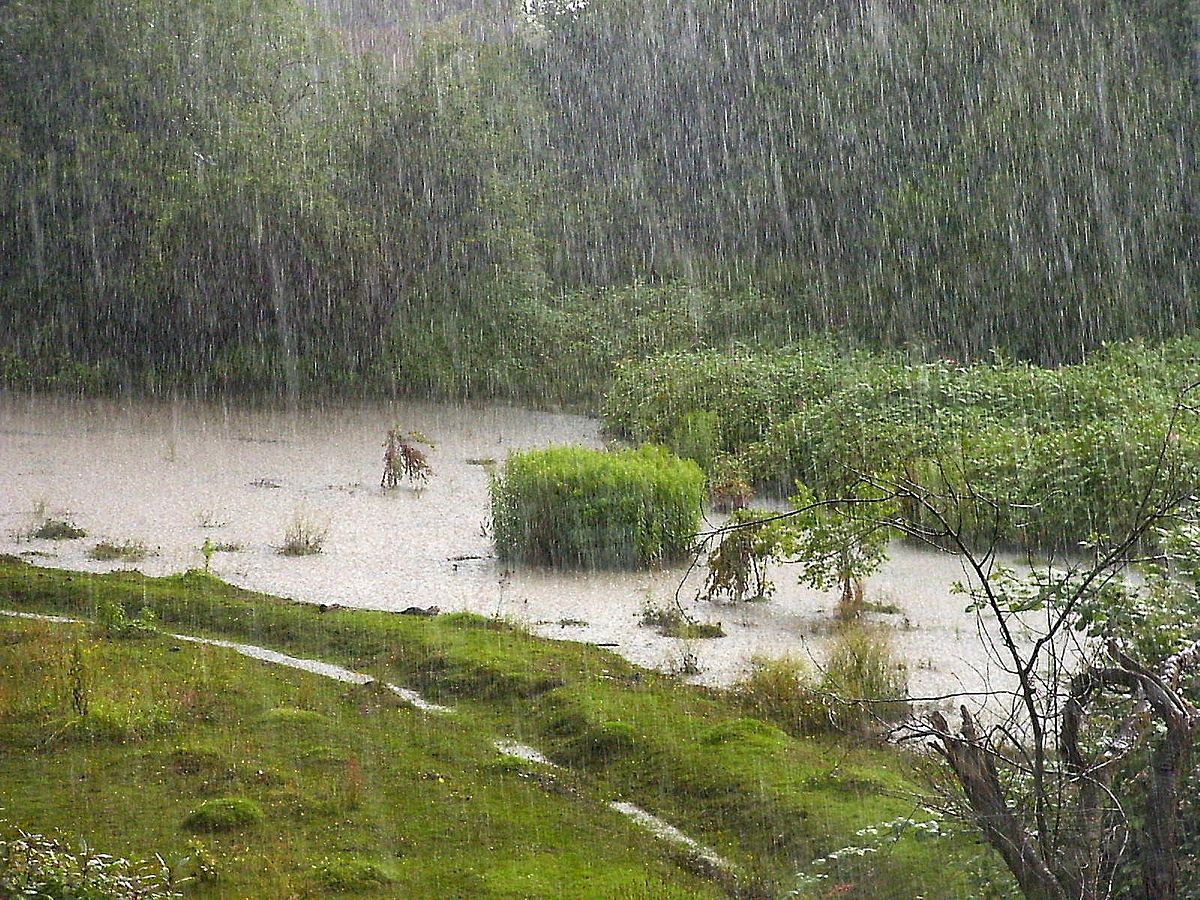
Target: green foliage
1002 451
224 814
580 508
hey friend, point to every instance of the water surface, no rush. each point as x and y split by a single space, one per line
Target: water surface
171 475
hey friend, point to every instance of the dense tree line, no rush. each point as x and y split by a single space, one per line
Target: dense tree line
232 192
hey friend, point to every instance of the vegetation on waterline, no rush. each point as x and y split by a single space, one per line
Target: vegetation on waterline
1020 454
304 536
126 551
770 806
57 530
582 508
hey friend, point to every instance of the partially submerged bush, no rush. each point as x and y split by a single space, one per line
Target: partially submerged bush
224 814
579 508
671 621
402 458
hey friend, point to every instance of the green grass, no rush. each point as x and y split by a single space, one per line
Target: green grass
354 784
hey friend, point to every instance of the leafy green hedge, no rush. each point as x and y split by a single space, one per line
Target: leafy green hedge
572 507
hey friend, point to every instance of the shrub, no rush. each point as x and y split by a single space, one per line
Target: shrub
224 814
783 691
112 620
577 508
671 621
863 679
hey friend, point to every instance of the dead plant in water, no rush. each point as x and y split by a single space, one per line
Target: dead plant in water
402 458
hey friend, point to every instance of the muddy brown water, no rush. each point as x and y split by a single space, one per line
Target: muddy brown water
171 475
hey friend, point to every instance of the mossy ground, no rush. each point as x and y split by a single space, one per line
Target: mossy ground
358 787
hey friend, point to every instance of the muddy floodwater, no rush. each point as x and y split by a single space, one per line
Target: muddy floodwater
173 475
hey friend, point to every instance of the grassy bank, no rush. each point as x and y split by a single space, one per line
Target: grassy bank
768 802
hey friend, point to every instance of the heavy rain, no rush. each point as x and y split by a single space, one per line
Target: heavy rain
599 448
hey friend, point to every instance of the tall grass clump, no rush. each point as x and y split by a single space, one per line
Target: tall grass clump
861 689
572 507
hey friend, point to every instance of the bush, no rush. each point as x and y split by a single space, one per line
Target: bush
577 508
224 814
109 551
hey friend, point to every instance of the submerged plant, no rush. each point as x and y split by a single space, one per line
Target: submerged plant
58 530
402 459
303 537
128 551
672 621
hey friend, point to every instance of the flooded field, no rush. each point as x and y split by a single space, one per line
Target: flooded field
173 476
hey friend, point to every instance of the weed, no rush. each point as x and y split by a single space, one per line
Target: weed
674 622
403 459
860 686
782 691
351 784
200 861
303 537
224 814
33 865
77 674
58 530
867 683
129 551
289 717
112 620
